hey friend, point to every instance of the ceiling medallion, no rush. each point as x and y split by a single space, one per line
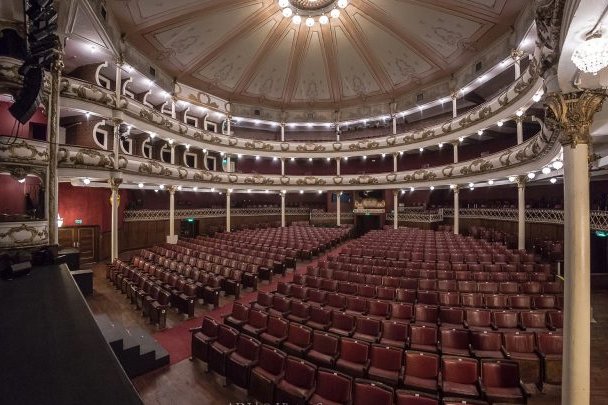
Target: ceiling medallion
311 11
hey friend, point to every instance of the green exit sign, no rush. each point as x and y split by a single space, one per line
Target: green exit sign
78 221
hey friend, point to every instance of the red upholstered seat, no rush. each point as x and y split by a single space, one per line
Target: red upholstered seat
486 344
324 350
386 364
550 347
369 392
421 371
367 329
267 373
320 318
263 300
426 314
378 309
454 342
240 362
478 319
342 324
354 357
333 388
451 317
276 331
203 337
394 333
521 347
500 381
415 398
505 320
534 321
423 338
300 312
299 339
222 348
257 323
238 317
459 376
298 383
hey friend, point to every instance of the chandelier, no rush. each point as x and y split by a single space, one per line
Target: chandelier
311 11
592 55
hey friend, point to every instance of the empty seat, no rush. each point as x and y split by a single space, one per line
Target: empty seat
486 344
316 297
478 319
298 383
405 397
394 333
378 309
496 301
428 297
240 362
454 342
449 299
263 300
534 321
520 302
238 317
451 317
386 364
222 348
335 301
459 376
367 329
421 371
299 339
521 347
280 306
356 305
203 337
401 311
320 318
555 320
267 373
324 350
550 347
300 312
505 320
405 295
276 331
426 314
342 323
423 338
332 388
500 381
369 392
474 300
544 302
354 357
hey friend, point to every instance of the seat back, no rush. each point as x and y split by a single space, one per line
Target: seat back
505 319
499 373
519 342
325 343
486 340
209 327
459 370
421 365
426 313
378 308
334 386
320 315
227 336
533 319
455 339
367 326
451 315
479 318
550 343
257 318
354 351
248 347
300 373
299 335
342 320
277 326
386 357
402 311
423 335
368 392
240 312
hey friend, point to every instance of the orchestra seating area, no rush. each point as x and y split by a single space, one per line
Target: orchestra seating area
402 316
202 269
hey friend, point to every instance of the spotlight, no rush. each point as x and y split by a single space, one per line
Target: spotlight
162 186
531 175
296 19
546 170
511 179
480 132
499 123
421 149
432 188
310 22
287 12
342 3
86 181
323 20
461 139
490 182
194 188
553 180
179 188
140 185
310 159
452 186
411 188
558 164
301 191
335 13
471 185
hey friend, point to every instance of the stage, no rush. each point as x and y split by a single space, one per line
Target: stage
52 350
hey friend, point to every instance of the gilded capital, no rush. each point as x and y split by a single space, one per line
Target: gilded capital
571 115
115 183
172 189
517 54
521 181
456 188
57 65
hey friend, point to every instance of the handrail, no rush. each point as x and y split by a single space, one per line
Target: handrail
155 215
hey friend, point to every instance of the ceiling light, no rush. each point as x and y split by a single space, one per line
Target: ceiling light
480 132
310 159
531 175
461 139
283 3
592 55
257 157
170 141
323 20
204 150
511 179
558 164
140 185
129 68
296 19
287 12
162 186
152 135
421 149
411 188
155 190
432 188
553 180
93 48
342 3
471 185
292 159
301 191
194 188
320 191
274 158
519 113
345 157
179 188
383 155
452 186
249 190
310 22
187 146
499 123
364 157
87 114
86 181
536 98
490 182
212 189
335 13
546 170
440 145
328 159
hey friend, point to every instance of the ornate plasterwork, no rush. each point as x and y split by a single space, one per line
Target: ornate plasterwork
23 234
571 115
21 151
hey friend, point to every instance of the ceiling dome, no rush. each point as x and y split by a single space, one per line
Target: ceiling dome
248 51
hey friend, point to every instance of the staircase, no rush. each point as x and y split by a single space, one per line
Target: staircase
136 350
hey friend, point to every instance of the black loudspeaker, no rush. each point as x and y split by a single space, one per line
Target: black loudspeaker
30 95
17 270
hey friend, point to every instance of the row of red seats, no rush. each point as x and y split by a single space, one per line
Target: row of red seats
274 376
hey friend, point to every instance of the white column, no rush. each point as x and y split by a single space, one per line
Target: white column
394 125
454 104
337 166
228 129
283 209
114 203
520 130
395 209
282 132
395 162
118 81
455 147
337 132
573 115
456 209
282 166
338 219
116 141
228 192
53 124
516 54
172 238
521 212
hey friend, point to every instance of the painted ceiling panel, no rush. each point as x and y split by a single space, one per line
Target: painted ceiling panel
313 83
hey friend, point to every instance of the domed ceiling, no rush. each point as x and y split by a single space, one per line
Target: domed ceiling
247 51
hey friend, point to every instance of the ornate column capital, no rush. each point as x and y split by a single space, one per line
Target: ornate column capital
57 65
117 121
395 192
519 119
521 181
454 143
571 115
172 189
454 95
456 188
114 183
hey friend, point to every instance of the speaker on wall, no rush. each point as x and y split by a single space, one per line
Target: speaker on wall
29 97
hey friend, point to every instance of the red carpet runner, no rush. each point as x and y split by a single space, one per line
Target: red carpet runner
177 339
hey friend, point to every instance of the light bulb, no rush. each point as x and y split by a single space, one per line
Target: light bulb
335 13
411 188
558 164
287 12
323 20
283 3
511 179
553 180
140 185
546 170
499 123
86 180
342 3
296 19
490 182
310 22
432 188
531 175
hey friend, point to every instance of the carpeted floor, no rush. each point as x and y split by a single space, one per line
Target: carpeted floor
176 340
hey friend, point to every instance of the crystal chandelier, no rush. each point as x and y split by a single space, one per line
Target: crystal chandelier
311 11
592 55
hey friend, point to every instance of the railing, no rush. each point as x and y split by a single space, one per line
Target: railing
330 217
156 215
598 219
22 234
417 215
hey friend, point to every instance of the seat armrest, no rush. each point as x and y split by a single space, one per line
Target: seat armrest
482 388
522 387
439 348
504 351
194 330
465 324
540 354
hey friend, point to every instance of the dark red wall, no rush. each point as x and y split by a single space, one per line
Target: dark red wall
8 123
13 194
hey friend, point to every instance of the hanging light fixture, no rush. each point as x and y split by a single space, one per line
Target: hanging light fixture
311 11
592 55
